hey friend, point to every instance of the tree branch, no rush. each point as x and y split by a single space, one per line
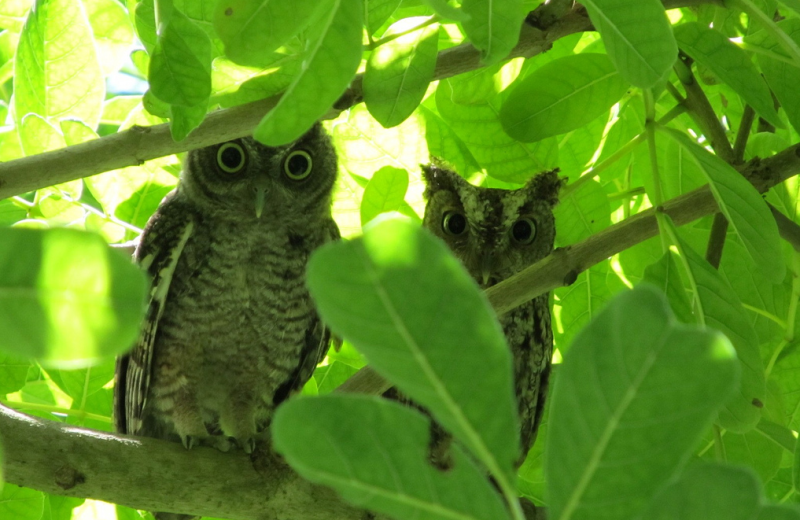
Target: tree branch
157 475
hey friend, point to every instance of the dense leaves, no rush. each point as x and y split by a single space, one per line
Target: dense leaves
436 82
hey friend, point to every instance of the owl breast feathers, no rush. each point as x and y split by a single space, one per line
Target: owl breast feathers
230 330
497 233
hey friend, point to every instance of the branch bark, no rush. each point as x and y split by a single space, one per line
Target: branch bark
156 475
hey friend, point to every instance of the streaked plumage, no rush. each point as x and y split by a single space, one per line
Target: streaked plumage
497 233
230 330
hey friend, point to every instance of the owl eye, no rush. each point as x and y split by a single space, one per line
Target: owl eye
523 231
231 157
297 165
454 223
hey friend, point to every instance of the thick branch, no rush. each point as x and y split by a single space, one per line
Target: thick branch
157 475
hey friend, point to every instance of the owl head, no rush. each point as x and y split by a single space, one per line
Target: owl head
246 180
496 233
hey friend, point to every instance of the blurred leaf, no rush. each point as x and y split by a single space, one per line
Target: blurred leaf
708 492
385 192
637 36
742 205
493 26
330 65
38 136
580 302
117 109
447 11
560 96
60 508
381 465
251 30
80 383
622 389
398 74
383 292
13 13
330 377
10 212
778 512
180 63
233 84
21 503
719 308
66 297
730 63
62 76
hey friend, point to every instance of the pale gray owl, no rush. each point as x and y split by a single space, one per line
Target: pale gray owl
231 329
497 233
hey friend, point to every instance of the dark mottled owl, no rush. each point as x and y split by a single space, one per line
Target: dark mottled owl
497 233
231 329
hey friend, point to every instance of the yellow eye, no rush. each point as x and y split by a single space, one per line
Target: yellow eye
231 157
297 165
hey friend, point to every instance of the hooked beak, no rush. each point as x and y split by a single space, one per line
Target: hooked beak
486 268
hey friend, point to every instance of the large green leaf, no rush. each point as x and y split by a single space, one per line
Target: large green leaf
730 63
180 65
252 29
747 213
377 12
581 213
718 306
493 26
637 36
65 296
560 96
329 67
580 302
377 459
113 33
398 74
58 74
13 373
779 512
664 274
709 492
632 398
400 297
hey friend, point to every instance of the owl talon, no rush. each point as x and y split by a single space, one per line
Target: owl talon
188 441
249 445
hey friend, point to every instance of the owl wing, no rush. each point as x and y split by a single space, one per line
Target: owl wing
158 253
317 341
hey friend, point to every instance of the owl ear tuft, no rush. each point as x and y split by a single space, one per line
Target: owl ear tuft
546 185
440 176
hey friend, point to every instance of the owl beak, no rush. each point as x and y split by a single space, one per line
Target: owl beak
486 268
261 191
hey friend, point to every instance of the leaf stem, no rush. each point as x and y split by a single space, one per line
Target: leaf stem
788 336
80 414
657 197
374 44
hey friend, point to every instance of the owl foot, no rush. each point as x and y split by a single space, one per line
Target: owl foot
189 441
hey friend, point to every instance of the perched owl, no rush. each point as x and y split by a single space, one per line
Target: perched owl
497 233
231 329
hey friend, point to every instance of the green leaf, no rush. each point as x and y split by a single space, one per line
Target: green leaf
113 33
580 302
493 26
180 64
730 63
12 14
560 96
664 274
185 119
13 374
378 461
398 74
447 11
479 128
378 11
580 214
330 65
37 136
81 383
747 213
709 492
252 29
637 36
385 192
58 73
233 84
778 512
719 307
21 503
65 296
385 293
634 380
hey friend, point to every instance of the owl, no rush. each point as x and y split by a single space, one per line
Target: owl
230 330
497 233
